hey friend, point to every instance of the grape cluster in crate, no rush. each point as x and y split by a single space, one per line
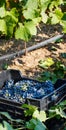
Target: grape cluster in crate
26 89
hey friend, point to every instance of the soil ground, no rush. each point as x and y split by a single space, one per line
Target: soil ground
28 64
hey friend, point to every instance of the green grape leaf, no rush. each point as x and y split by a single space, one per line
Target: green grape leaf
29 14
2 12
40 126
31 124
10 25
22 33
2 128
36 20
30 109
55 4
64 17
14 12
63 103
32 4
54 18
5 114
58 13
35 124
30 10
44 17
60 2
60 112
44 4
12 15
40 115
3 27
63 23
6 126
31 27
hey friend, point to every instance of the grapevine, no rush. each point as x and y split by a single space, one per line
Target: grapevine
20 18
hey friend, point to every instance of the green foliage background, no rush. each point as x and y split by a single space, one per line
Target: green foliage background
20 18
36 120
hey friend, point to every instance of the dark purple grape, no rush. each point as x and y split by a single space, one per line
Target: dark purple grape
26 89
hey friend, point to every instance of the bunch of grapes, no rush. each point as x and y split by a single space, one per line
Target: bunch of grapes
26 89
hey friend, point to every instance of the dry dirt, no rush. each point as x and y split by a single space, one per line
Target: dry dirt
28 64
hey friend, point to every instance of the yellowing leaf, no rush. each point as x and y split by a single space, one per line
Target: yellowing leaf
40 115
46 63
